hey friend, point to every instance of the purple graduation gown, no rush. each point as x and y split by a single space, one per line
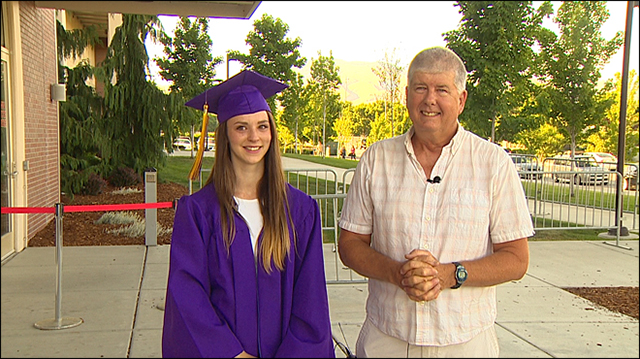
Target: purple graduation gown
215 306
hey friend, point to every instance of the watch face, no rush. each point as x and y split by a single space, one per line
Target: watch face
461 274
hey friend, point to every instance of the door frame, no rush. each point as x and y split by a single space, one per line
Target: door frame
13 56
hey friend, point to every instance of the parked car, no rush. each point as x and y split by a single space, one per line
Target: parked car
587 170
182 144
527 166
604 159
631 178
211 144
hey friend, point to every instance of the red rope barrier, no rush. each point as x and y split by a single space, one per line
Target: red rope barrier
116 207
28 210
88 208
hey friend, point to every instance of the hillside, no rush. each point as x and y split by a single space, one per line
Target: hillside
359 83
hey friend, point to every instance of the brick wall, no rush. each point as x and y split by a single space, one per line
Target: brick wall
37 27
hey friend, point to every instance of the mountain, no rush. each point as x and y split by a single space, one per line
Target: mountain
359 83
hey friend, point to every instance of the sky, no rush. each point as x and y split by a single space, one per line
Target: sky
364 31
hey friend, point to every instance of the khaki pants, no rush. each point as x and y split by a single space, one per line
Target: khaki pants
372 343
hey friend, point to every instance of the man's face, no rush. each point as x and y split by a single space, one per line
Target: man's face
433 101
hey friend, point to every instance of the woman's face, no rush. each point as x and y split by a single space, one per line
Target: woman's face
249 138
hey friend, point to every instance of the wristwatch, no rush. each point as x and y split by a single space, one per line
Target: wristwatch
460 274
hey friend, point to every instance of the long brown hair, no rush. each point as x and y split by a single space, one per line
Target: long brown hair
272 196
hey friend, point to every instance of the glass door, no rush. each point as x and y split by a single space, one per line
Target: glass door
7 172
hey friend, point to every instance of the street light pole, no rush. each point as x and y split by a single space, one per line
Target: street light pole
229 60
622 127
620 230
324 121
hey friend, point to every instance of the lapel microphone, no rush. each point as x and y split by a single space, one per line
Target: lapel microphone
435 179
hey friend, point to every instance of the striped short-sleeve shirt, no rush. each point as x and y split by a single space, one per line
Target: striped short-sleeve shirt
478 201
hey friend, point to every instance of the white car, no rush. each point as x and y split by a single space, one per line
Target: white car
606 160
182 144
585 170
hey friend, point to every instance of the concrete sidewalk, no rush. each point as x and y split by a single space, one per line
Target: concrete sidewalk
116 291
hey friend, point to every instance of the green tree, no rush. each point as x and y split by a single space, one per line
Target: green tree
345 125
571 67
365 114
544 141
189 66
606 137
271 53
388 72
79 114
495 41
294 102
136 111
325 98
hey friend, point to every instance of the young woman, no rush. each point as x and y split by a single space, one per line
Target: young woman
246 274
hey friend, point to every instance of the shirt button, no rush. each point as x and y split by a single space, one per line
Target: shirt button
428 218
430 190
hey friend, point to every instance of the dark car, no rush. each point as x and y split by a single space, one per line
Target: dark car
527 166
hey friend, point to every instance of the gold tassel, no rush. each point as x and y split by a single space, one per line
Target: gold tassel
194 174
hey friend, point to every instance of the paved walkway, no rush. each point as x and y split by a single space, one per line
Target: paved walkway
116 291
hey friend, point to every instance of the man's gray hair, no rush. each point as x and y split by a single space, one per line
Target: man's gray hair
439 59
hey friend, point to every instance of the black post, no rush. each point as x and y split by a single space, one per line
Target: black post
623 114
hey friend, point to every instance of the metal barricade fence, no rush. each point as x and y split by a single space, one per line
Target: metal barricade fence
560 200
347 176
591 188
323 186
336 272
313 181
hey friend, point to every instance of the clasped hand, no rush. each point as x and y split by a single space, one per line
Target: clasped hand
420 276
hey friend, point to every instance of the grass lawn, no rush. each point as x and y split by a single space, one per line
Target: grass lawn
178 168
329 161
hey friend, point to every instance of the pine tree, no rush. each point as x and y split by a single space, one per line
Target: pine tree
80 114
137 113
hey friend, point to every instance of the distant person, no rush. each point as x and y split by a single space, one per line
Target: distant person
352 153
246 274
435 218
343 152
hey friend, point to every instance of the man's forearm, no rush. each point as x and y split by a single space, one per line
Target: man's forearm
368 262
509 261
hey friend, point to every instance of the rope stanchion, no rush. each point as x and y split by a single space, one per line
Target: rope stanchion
58 322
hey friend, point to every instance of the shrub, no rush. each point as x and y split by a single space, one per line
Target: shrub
137 229
94 186
124 177
127 217
126 190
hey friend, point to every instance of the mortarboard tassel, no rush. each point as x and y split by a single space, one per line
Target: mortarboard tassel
194 174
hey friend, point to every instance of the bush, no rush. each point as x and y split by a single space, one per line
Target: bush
124 177
127 217
94 186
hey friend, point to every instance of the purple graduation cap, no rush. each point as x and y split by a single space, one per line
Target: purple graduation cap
242 94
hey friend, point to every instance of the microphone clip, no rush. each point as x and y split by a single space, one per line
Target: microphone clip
435 179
